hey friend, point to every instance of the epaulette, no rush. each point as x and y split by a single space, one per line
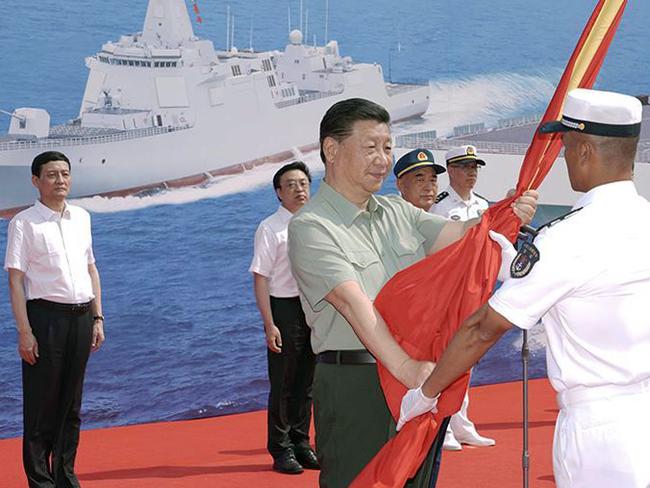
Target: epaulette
528 254
441 196
481 196
559 219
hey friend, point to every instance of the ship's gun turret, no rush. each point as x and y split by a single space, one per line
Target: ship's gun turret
29 122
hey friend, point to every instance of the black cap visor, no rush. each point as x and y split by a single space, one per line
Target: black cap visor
593 128
437 169
466 159
553 126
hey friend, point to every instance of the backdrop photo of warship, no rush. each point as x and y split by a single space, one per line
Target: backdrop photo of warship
174 261
196 112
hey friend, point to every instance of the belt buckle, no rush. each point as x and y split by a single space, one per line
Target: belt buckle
78 308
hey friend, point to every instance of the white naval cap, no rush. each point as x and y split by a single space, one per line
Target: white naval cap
600 113
463 154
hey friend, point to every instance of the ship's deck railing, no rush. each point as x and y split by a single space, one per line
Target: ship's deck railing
397 88
85 140
519 121
493 147
307 98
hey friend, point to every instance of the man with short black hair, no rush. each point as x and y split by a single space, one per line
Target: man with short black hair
344 245
289 353
587 277
56 300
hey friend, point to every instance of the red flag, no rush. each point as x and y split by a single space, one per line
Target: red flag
444 289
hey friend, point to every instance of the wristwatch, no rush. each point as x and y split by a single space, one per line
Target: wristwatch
98 317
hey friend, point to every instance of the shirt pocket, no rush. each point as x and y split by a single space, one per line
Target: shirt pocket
408 249
369 270
44 246
48 251
361 259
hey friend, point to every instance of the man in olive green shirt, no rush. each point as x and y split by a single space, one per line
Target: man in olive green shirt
344 245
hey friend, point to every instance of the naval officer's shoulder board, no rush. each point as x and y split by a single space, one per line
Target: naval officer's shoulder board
528 254
482 198
441 196
559 219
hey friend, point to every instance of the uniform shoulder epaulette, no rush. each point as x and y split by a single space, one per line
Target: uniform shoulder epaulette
482 197
559 219
441 196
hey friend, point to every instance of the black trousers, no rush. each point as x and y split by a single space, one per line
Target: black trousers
291 374
436 451
52 395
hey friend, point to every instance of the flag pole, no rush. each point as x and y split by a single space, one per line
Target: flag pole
525 459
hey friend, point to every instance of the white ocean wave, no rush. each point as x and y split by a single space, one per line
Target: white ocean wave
536 339
484 98
249 180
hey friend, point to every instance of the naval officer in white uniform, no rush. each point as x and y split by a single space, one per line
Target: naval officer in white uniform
459 202
588 279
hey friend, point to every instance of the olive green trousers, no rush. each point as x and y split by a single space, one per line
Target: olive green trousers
353 423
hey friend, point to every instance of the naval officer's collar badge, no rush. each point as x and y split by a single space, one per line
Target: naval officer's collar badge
524 261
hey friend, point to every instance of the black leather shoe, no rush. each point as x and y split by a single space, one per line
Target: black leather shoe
307 458
286 463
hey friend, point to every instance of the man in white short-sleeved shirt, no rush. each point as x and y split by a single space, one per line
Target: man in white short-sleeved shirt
290 356
56 300
588 279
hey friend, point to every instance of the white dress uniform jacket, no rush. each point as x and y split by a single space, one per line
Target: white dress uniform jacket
450 205
54 251
591 288
270 254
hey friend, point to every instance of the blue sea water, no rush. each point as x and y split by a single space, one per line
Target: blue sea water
184 338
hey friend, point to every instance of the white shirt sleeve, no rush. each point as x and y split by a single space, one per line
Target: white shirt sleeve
90 255
16 255
264 251
524 301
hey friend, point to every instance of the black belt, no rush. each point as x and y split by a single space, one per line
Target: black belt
72 308
346 357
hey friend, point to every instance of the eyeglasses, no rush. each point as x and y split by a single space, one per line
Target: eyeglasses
466 167
295 184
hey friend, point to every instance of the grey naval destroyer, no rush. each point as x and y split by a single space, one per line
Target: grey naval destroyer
163 108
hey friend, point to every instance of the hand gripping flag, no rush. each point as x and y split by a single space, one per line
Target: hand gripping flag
445 288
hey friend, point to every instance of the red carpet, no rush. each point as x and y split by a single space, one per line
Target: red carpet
230 451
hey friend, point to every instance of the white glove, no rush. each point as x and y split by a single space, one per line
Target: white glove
508 253
414 404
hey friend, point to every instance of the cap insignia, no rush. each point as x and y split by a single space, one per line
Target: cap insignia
422 156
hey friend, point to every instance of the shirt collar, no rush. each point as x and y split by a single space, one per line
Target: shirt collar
48 214
284 213
347 210
457 197
607 193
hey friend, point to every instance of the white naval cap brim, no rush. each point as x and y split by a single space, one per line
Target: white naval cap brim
598 113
